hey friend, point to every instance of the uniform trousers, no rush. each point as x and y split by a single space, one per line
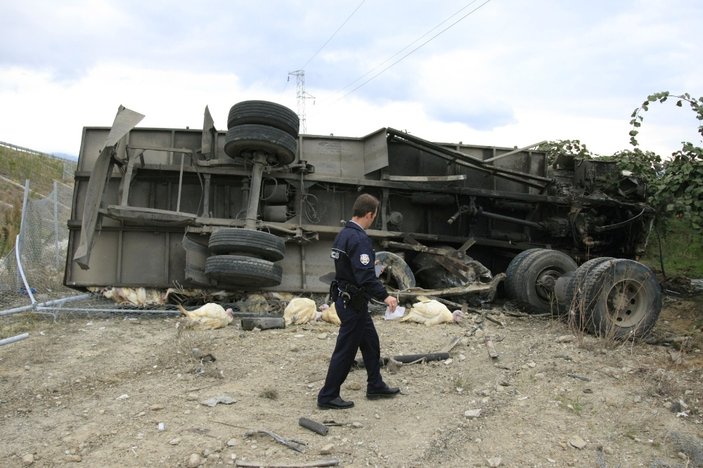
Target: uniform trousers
357 331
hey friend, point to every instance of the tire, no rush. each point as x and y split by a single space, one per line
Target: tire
622 299
510 278
536 276
243 272
247 242
264 113
573 302
399 271
250 137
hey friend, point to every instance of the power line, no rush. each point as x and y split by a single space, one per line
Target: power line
408 46
333 34
414 50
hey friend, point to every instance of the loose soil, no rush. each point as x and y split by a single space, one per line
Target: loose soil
126 390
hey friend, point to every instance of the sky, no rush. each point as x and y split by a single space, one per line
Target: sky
506 73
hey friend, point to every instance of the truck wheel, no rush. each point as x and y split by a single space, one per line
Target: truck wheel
245 272
573 301
264 113
247 242
510 279
400 273
622 299
252 137
536 277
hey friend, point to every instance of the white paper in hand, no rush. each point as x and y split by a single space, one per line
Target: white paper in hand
396 314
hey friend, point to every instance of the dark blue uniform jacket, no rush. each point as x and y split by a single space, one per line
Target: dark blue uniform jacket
354 260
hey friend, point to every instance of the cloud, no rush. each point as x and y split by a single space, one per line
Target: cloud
512 73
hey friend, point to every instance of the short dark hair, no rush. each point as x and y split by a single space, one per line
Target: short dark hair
365 203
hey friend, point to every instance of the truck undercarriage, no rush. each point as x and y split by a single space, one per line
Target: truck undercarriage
258 206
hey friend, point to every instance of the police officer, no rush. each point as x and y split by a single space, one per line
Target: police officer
356 283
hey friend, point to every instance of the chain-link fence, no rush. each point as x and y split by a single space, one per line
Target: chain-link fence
31 274
33 270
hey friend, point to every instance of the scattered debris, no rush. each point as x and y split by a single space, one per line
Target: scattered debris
577 442
472 413
313 426
579 377
491 347
262 323
494 462
246 464
291 444
223 399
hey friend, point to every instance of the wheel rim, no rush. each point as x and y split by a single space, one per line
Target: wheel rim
627 304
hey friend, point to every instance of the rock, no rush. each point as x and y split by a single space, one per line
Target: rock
357 425
577 442
224 399
565 338
72 458
232 442
322 336
175 441
472 413
448 361
28 459
608 450
327 449
194 461
494 462
156 407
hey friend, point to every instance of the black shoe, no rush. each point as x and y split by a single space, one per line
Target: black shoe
337 403
383 392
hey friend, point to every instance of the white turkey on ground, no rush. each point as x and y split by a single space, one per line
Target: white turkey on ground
431 312
207 317
329 314
301 310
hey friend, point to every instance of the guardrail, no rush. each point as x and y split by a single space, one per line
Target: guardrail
22 149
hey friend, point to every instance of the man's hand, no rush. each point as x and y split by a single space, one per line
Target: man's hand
391 302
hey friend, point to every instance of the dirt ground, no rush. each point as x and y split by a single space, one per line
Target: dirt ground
126 390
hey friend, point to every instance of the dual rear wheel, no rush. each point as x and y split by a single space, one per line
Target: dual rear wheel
265 133
609 297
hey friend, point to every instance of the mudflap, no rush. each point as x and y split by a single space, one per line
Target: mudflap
196 254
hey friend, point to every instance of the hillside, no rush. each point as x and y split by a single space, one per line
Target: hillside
16 166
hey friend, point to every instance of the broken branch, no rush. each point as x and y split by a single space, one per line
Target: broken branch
291 444
248 464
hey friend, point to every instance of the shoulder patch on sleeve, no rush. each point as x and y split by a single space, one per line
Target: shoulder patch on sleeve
364 259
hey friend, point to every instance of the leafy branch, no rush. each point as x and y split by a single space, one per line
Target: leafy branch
637 116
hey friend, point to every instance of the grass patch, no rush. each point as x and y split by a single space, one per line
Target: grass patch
681 251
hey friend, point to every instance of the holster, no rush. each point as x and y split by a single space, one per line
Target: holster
355 297
351 295
334 291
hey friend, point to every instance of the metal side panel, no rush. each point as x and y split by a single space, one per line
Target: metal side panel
132 258
102 265
314 257
375 151
338 157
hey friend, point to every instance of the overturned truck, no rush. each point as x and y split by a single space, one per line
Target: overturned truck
257 207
